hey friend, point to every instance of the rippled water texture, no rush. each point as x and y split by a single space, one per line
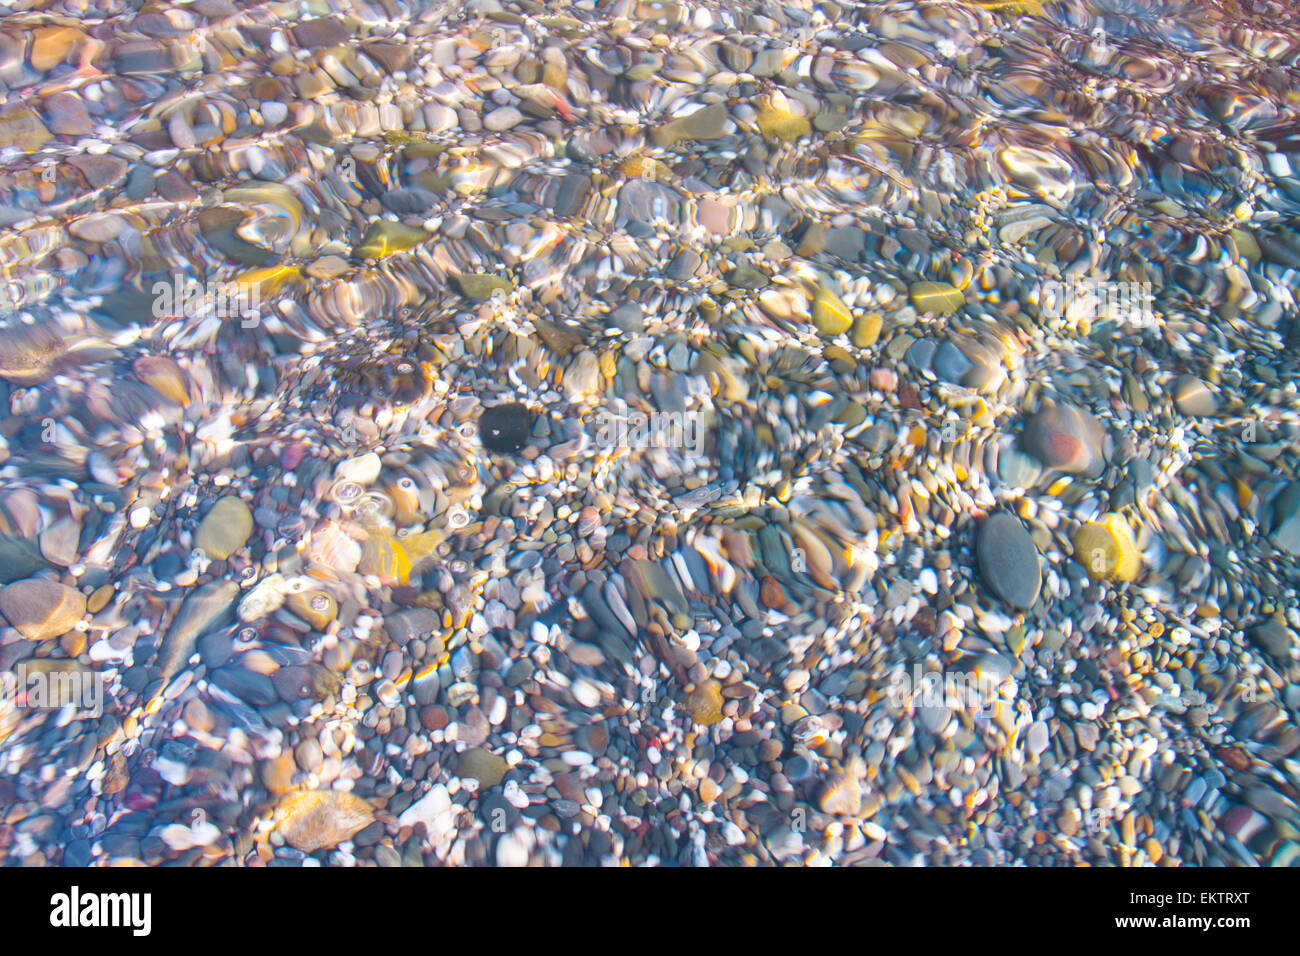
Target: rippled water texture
316 322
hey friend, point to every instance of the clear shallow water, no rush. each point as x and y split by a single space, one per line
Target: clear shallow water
322 594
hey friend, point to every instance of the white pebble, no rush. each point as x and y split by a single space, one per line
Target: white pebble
585 692
363 469
424 810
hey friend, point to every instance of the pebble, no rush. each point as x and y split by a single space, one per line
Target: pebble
225 528
312 820
1107 549
708 122
1273 636
482 765
363 469
705 703
1068 439
1286 519
939 298
1009 561
502 119
505 429
207 606
1194 397
59 542
40 609
830 314
472 237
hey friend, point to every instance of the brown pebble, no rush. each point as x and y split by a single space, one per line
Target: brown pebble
99 598
277 773
769 750
772 594
433 717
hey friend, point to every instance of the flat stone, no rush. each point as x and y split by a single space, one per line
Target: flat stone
173 187
386 238
846 242
842 795
59 542
321 32
327 267
747 277
99 227
247 685
866 329
164 375
100 171
684 264
502 119
40 609
709 122
51 46
19 558
480 286
391 56
505 429
921 354
941 298
28 353
1037 738
572 193
705 703
410 624
629 317
427 809
20 126
1009 562
409 200
312 820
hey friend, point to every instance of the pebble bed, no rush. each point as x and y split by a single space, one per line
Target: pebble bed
365 580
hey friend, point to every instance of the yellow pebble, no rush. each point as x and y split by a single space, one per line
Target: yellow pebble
1107 550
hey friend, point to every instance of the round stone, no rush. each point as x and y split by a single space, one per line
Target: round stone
504 429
